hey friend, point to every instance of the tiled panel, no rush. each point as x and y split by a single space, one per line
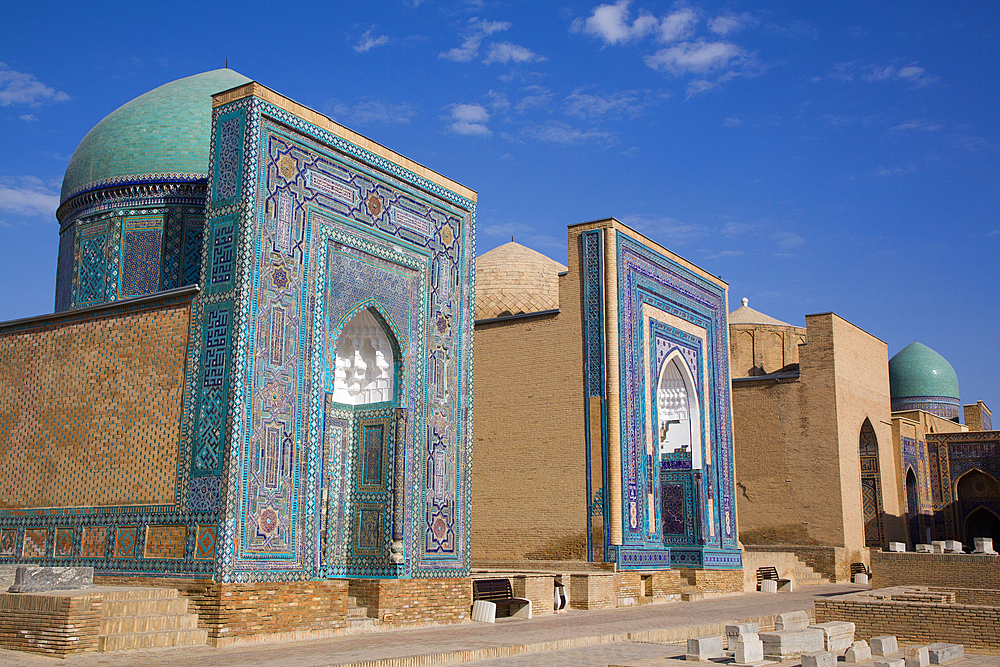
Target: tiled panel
34 542
94 542
165 542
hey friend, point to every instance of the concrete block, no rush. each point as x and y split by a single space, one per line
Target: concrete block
35 579
484 611
984 545
924 548
859 652
704 648
861 579
748 650
890 662
937 546
898 547
769 586
737 629
916 656
819 659
884 645
787 586
792 620
952 546
837 635
784 644
939 652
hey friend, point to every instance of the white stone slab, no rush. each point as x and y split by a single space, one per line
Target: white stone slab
916 656
941 652
884 645
749 650
858 652
819 659
36 579
704 648
898 547
792 620
952 546
924 548
837 635
937 546
890 662
737 629
861 579
784 644
769 586
984 545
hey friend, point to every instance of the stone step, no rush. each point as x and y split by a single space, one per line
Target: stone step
142 594
357 612
361 622
145 607
691 593
157 623
142 640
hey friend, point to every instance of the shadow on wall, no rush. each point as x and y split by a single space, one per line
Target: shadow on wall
573 547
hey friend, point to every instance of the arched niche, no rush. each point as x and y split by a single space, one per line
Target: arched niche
982 523
678 410
365 362
871 485
977 485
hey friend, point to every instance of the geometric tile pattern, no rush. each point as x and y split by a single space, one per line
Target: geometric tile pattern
141 255
64 543
871 486
34 542
205 541
8 541
126 541
94 542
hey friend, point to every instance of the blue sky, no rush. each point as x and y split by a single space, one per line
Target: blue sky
837 156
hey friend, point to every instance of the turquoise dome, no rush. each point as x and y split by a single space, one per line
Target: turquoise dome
917 370
161 135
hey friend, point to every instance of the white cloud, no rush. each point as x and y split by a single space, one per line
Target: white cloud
538 97
673 230
916 124
28 117
699 57
368 111
469 119
733 229
562 133
679 25
367 42
20 88
625 102
28 196
611 23
727 24
505 52
478 29
526 235
788 239
896 171
912 74
733 121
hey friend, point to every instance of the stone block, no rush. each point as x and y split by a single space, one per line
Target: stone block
819 659
890 662
952 546
939 652
861 579
784 644
916 656
937 546
859 652
35 579
984 545
736 630
837 635
704 648
924 548
898 547
884 645
747 650
769 586
792 620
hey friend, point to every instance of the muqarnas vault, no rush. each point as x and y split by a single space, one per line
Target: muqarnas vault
304 414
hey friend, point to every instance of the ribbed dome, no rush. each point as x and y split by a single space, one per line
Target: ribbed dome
917 370
513 279
161 135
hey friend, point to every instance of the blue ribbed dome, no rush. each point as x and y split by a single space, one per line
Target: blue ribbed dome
161 135
917 370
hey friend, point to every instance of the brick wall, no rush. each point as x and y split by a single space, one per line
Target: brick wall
714 581
913 569
971 625
90 408
410 601
51 625
165 541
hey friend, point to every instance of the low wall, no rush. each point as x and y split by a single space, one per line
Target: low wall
783 562
919 569
875 613
50 625
414 601
834 563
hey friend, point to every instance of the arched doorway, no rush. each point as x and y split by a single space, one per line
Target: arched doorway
982 523
977 488
871 486
677 410
912 507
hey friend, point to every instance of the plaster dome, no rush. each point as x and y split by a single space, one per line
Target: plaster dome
920 378
160 136
513 279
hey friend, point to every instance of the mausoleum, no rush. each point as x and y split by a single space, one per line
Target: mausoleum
258 375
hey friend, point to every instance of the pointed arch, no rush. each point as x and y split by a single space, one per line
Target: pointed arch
366 358
871 485
678 409
976 485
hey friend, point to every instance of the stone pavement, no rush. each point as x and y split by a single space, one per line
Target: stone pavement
598 638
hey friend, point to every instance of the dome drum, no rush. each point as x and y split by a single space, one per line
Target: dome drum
921 379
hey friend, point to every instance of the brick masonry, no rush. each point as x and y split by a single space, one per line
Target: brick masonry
876 613
95 404
165 541
913 569
414 601
50 625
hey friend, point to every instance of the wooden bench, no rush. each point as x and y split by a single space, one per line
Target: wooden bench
771 573
499 592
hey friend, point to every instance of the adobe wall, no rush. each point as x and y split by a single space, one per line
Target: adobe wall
756 349
920 569
90 407
862 391
529 482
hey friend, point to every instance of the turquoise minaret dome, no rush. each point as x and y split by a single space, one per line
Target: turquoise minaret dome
161 135
921 379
